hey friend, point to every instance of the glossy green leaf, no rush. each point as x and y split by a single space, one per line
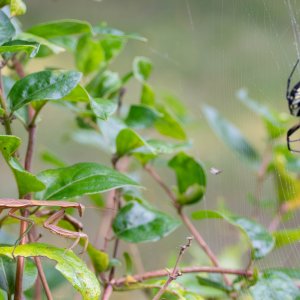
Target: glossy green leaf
71 267
46 47
31 48
8 274
191 178
60 28
99 259
103 29
168 125
7 29
44 85
112 47
141 116
89 54
104 84
260 239
275 286
286 237
26 181
17 8
137 223
231 136
147 95
272 121
78 94
81 179
142 68
103 108
127 140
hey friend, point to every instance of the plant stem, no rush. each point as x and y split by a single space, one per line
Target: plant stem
186 270
175 273
6 120
190 226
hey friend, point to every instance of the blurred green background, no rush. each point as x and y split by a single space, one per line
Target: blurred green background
203 51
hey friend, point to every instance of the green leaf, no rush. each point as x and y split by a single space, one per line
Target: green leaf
191 178
260 239
78 94
141 116
104 84
231 136
99 259
286 237
127 140
89 54
293 273
129 263
176 106
138 223
71 267
26 181
44 85
169 125
60 28
17 8
112 46
147 95
52 159
274 286
30 48
1 112
213 284
142 68
81 179
7 29
8 274
103 108
113 32
272 121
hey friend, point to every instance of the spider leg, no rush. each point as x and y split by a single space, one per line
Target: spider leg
289 81
290 132
51 222
11 213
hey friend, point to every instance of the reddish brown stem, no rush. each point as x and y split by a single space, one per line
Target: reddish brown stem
190 226
186 270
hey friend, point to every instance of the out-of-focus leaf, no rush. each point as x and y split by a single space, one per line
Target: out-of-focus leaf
128 140
44 85
273 122
142 68
17 8
81 179
71 267
214 284
168 125
275 286
7 29
31 48
293 273
141 116
99 259
67 42
260 239
137 223
89 54
128 263
8 274
53 159
112 46
231 136
78 94
286 237
147 95
60 28
104 84
191 178
113 32
103 108
176 106
26 181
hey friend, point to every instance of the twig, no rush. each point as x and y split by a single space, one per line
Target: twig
190 226
175 273
186 270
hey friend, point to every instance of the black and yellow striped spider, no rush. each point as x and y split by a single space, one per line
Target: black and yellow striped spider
293 98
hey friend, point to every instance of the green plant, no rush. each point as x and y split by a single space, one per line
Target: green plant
141 137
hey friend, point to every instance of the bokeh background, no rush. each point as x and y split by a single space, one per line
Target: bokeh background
203 51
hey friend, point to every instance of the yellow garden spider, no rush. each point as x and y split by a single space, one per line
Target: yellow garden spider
293 98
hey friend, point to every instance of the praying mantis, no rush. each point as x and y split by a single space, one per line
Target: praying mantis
51 223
